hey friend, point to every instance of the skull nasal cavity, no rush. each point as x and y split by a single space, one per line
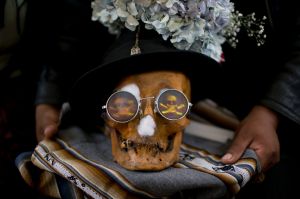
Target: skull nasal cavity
148 109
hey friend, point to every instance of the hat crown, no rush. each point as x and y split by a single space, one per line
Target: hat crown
149 42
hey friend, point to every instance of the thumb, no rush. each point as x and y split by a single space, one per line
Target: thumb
236 149
47 120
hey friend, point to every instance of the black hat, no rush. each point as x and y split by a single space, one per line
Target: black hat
92 89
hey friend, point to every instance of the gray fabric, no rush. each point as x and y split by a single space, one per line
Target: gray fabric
213 147
97 148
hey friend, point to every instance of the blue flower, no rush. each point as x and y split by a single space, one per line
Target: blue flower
197 25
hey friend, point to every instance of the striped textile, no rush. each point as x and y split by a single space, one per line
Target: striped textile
85 161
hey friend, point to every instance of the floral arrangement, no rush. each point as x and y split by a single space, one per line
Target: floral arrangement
197 25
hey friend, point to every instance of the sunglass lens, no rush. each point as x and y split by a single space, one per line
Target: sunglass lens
172 104
122 106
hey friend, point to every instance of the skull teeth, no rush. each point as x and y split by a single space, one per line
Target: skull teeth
123 145
127 144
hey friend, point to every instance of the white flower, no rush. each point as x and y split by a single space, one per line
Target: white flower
131 23
108 16
175 23
143 3
132 9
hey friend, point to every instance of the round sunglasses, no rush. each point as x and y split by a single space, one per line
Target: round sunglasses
123 106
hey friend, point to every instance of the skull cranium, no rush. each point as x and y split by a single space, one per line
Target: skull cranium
149 141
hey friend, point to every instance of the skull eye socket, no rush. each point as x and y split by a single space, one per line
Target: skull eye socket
172 104
122 106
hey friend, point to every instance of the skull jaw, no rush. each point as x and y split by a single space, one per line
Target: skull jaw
143 158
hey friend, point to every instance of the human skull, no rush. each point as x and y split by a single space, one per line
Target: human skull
149 141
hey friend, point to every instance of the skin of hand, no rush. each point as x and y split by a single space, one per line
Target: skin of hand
47 121
258 132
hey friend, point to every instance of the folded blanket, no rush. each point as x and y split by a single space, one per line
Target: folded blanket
85 160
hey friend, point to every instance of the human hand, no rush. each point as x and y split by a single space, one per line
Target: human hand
47 120
258 132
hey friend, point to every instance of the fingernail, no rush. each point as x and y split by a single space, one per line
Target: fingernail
227 156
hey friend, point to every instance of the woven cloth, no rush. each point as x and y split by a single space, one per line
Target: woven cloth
85 160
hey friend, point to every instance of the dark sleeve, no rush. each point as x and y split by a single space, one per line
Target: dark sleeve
76 45
49 89
284 94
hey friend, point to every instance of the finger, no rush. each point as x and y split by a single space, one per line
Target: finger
46 128
236 149
47 119
267 159
264 163
50 130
